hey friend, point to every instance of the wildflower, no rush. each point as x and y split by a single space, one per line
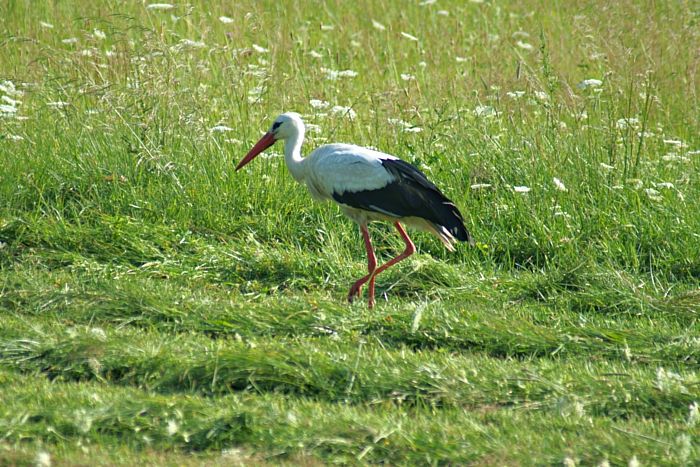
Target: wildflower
319 104
624 123
515 94
484 111
225 19
694 414
635 183
413 129
378 26
653 194
427 2
43 459
45 25
259 49
314 54
407 77
521 189
524 45
58 104
606 166
345 111
160 6
541 95
220 129
443 13
673 157
15 137
590 83
99 34
327 27
664 185
311 128
480 186
409 36
70 40
10 101
673 142
520 35
559 185
7 109
335 74
460 59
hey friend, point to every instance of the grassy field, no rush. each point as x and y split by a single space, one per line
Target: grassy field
158 308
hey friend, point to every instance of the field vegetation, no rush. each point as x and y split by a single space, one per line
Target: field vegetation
158 308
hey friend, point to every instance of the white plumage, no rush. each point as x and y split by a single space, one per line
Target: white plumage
368 185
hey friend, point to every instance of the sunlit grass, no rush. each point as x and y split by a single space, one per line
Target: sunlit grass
157 307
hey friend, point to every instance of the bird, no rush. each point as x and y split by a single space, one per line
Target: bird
367 185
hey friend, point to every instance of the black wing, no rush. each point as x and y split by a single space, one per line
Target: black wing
411 194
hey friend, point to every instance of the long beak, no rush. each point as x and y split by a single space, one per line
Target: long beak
264 143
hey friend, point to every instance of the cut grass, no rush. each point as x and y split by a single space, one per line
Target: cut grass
158 308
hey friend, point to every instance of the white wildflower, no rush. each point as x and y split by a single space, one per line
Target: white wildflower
559 185
312 128
541 95
673 157
8 87
15 137
345 111
443 13
667 381
484 111
220 129
10 101
664 185
524 45
99 34
260 49
45 25
521 189
694 414
653 194
605 166
319 104
515 94
604 463
460 59
314 54
42 459
624 123
172 427
634 462
327 27
160 6
409 36
225 19
377 25
427 2
413 129
335 74
407 77
422 64
58 104
480 186
693 153
590 83
568 462
70 40
7 109
635 183
673 142
520 35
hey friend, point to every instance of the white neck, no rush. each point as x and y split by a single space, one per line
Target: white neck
292 154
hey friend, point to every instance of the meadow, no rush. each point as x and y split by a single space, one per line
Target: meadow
158 308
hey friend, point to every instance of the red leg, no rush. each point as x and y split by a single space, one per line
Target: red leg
371 266
410 249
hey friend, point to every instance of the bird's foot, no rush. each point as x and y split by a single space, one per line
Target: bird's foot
356 290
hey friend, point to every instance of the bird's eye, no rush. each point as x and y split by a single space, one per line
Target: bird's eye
276 125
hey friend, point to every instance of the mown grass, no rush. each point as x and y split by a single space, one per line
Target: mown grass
158 308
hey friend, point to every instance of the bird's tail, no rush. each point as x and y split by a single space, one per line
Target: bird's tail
449 226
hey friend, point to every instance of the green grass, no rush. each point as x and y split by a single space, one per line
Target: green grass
157 308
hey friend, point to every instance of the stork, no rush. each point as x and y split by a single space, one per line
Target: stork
368 186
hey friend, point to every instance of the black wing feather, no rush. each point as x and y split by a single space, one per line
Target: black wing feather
411 194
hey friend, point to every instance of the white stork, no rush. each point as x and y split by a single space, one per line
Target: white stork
368 186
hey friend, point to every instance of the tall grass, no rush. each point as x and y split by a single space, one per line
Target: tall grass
136 266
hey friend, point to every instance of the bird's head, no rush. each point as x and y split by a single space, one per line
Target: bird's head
285 126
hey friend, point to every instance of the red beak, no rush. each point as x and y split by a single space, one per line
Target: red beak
264 143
